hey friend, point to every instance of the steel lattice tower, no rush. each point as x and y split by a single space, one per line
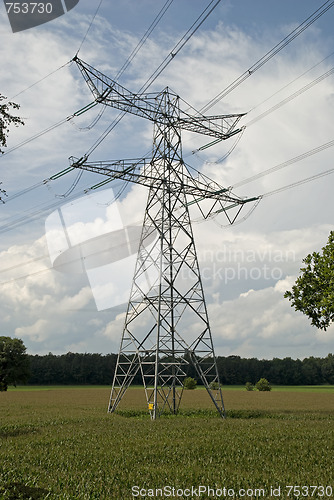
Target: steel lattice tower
166 325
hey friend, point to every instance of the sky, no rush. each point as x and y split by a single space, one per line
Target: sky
247 267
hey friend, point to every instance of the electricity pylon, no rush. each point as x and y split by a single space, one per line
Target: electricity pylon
166 325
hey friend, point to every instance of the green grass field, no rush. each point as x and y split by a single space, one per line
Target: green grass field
59 443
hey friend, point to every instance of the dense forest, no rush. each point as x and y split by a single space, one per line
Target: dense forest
98 369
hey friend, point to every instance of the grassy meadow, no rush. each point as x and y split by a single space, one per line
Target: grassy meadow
59 443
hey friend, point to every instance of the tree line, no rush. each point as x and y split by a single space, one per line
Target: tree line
98 369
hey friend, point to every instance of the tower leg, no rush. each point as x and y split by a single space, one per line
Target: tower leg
166 326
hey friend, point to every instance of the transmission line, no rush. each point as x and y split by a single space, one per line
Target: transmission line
13 222
269 55
285 164
266 195
178 47
163 65
291 97
25 219
299 183
290 83
34 215
131 57
144 38
42 79
36 136
181 43
89 26
199 21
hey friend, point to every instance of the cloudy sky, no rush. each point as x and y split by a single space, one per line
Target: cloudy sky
246 268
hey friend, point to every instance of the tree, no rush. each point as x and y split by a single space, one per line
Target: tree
327 369
14 362
313 292
189 383
6 120
263 385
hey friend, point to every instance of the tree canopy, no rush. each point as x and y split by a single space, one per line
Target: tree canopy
313 292
98 369
6 120
14 362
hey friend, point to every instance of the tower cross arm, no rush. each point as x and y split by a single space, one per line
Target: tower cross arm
148 105
127 170
145 171
220 126
111 93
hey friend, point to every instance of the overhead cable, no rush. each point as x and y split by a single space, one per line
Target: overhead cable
181 43
292 96
290 83
286 163
269 55
36 136
130 59
144 38
299 183
42 79
89 26
12 222
178 47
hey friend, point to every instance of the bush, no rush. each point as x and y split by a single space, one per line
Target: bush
263 385
249 386
214 386
189 383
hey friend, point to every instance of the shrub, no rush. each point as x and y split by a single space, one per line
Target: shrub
249 386
214 386
189 383
263 385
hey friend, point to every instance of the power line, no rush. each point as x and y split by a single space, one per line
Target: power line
238 184
292 96
13 222
178 47
290 83
89 26
266 195
270 193
144 38
120 72
36 136
35 214
199 21
269 55
181 43
299 183
131 57
42 79
286 163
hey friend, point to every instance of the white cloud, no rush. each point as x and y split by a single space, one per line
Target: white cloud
249 316
114 328
36 332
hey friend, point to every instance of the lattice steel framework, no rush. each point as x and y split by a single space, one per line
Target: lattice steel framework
166 325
